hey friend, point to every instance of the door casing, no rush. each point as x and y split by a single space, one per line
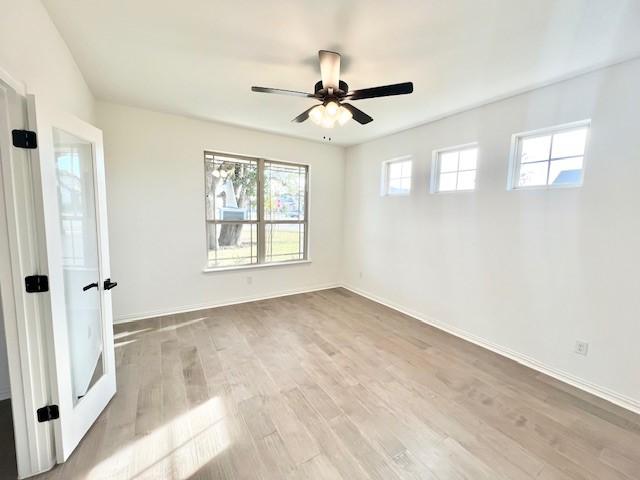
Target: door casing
25 314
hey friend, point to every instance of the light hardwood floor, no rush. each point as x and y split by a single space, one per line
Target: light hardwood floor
329 385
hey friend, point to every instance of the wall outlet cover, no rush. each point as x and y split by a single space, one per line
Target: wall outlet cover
582 348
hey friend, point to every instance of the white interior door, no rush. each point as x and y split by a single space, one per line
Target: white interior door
74 204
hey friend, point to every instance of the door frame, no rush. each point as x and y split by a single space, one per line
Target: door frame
22 249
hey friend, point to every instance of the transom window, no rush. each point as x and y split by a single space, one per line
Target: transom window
396 175
256 210
552 157
454 169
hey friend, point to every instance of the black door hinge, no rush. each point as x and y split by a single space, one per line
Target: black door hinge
24 139
36 283
48 413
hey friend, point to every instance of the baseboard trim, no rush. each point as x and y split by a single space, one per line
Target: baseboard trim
203 306
616 398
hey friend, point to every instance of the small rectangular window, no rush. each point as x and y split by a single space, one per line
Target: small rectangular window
551 157
396 176
454 169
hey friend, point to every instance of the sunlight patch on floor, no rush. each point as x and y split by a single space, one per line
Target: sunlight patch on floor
176 450
170 328
124 343
117 336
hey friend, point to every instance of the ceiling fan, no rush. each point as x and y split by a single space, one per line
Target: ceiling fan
332 92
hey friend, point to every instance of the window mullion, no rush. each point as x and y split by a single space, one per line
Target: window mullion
261 223
549 161
457 170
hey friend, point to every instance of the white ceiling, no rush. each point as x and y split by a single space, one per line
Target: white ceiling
200 57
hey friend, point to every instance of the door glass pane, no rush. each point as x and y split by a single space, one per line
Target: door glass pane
80 259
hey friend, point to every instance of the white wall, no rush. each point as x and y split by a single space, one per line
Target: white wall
527 272
155 194
33 54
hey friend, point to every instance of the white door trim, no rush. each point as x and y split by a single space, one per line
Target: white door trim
21 248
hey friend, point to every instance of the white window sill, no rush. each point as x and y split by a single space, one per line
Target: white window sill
251 267
547 187
392 195
449 192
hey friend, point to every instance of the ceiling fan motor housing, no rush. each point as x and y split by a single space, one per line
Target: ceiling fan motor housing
343 88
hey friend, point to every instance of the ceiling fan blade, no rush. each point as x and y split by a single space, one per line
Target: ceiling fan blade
358 115
329 69
282 92
304 115
384 91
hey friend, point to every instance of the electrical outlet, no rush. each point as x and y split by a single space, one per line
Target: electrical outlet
582 348
249 280
360 275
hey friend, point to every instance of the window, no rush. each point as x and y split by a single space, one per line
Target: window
454 169
552 157
256 211
396 175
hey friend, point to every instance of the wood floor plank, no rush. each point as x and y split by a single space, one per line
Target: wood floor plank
330 385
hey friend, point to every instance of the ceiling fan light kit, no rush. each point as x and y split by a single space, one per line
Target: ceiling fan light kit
331 91
328 115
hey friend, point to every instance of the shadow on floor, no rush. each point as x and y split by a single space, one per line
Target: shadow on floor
8 467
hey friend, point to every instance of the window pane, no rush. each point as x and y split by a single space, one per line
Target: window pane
535 149
449 162
566 172
467 180
532 174
569 144
232 244
468 159
284 242
399 169
231 188
284 191
395 170
406 169
447 182
399 186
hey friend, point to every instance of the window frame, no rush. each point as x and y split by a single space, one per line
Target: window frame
386 170
434 184
260 221
515 155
